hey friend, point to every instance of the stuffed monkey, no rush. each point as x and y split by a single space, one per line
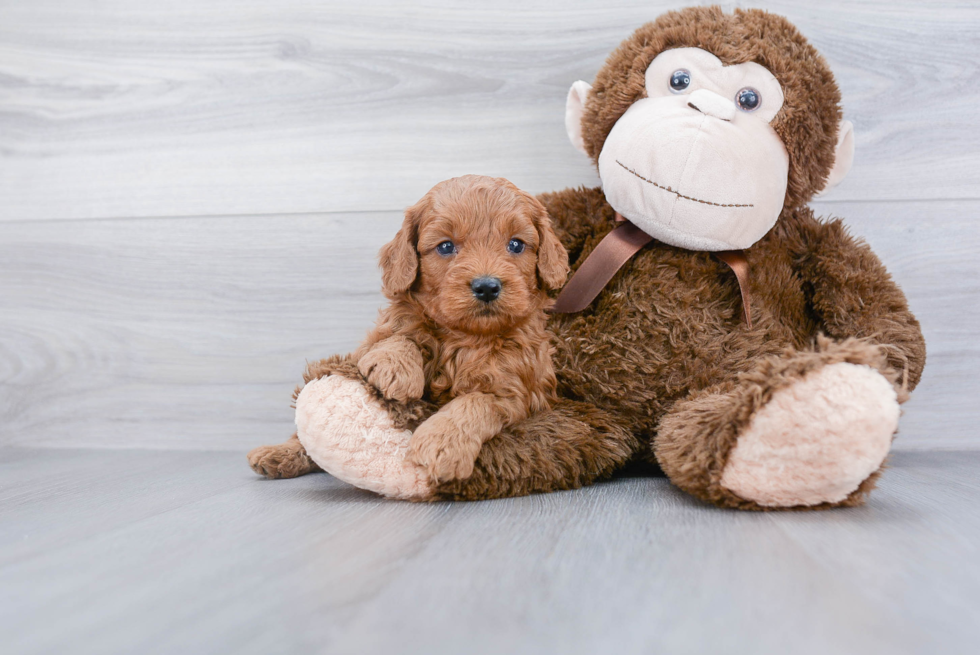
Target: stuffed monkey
714 327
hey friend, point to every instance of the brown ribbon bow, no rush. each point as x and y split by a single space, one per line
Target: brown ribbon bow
615 249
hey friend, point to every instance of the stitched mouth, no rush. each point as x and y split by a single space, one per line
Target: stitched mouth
678 193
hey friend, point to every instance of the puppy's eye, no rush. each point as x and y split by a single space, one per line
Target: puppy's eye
446 248
515 246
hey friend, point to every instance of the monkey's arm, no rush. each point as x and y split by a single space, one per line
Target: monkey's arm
852 295
395 367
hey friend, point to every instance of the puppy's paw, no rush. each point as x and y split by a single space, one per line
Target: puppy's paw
395 372
280 461
443 450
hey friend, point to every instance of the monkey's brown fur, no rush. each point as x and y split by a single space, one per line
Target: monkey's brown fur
661 366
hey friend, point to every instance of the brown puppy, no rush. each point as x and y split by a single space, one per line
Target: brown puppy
467 276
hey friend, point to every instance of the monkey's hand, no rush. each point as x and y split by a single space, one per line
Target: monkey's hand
395 367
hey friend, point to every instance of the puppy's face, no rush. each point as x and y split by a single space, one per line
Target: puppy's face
484 255
478 263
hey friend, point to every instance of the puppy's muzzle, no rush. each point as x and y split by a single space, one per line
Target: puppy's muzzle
486 289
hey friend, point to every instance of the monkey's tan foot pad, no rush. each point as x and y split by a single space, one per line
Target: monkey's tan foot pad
817 440
351 437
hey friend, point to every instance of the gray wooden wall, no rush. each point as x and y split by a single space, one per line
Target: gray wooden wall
192 193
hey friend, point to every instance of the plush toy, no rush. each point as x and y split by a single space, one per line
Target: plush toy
713 326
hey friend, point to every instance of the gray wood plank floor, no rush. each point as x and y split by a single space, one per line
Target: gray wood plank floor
167 552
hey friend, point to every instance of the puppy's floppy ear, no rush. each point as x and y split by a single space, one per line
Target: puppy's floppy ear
552 257
398 258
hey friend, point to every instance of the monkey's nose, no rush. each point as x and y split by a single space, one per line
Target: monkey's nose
710 103
486 288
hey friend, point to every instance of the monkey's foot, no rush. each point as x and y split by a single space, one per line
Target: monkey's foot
351 436
817 440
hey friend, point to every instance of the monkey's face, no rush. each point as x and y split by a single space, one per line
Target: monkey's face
696 164
705 124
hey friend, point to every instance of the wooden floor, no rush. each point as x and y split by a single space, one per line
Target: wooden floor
107 551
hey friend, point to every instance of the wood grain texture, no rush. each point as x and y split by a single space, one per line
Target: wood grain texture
183 108
192 333
187 329
190 552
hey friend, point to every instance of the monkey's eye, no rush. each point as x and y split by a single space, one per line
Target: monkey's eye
748 99
446 248
515 246
680 80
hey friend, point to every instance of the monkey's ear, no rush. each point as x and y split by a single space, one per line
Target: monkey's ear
552 256
843 156
398 258
574 107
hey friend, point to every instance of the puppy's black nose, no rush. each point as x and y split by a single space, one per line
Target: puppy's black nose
486 288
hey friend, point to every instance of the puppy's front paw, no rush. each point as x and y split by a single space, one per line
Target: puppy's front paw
396 373
444 451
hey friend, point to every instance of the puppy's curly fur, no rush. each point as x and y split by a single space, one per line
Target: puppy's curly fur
484 364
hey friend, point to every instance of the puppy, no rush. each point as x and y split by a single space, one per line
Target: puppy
467 276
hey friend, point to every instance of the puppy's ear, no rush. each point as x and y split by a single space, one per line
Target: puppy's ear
398 258
552 257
